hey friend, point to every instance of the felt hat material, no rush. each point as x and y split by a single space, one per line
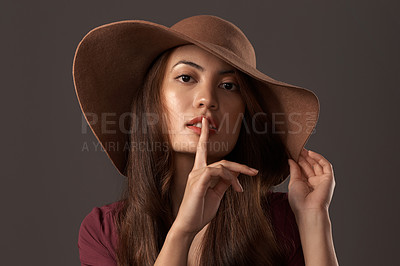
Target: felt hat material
112 60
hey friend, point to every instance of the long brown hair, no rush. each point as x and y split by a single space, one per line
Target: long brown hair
241 232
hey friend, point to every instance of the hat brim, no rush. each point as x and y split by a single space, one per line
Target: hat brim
111 61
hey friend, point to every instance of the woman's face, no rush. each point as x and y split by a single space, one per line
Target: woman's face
196 83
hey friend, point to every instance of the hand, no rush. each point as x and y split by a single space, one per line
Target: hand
311 187
201 199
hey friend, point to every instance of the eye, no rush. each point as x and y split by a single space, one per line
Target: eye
184 78
230 86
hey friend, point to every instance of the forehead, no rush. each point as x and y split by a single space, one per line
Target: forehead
197 55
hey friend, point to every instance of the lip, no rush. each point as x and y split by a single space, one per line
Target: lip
198 120
197 130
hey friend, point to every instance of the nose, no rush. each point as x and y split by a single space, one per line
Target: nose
207 97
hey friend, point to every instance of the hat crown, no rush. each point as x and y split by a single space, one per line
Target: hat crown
217 31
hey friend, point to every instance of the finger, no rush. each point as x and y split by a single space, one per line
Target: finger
221 187
201 152
326 165
306 167
295 172
221 174
235 181
235 167
316 166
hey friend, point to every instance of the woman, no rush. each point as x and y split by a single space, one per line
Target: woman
192 197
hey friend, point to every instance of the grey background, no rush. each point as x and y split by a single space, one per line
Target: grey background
347 52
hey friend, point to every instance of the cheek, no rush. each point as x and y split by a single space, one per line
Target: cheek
175 106
237 112
170 100
175 99
235 124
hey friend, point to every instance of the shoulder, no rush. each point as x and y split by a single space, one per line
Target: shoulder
284 223
98 237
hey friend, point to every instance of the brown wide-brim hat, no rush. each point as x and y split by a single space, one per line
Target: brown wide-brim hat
112 60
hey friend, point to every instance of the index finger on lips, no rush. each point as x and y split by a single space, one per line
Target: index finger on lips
201 152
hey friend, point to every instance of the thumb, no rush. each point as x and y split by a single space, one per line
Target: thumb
295 172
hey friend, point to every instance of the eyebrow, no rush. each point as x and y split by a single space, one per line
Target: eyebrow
192 64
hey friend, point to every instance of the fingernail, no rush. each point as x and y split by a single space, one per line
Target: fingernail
254 170
241 187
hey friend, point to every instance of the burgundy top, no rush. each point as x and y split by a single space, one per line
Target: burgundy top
98 238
